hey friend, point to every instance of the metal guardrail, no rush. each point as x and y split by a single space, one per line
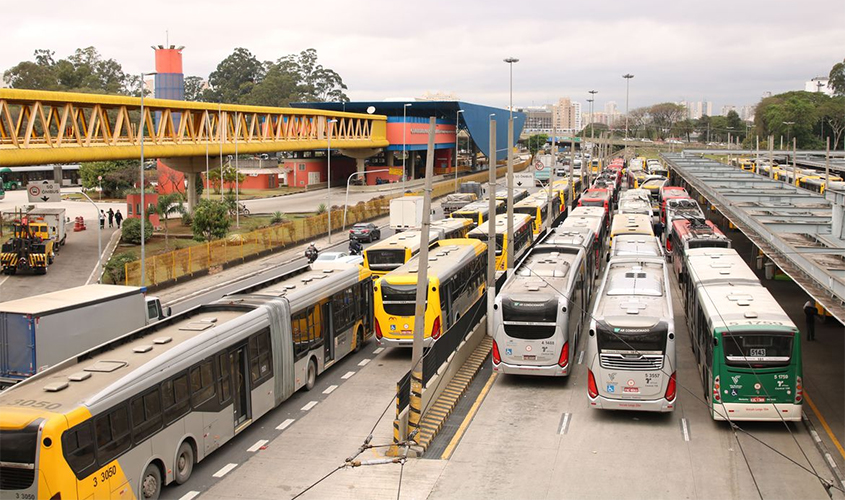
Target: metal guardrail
770 213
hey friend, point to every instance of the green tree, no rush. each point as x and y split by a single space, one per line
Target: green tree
774 115
536 142
735 124
194 86
315 82
118 176
210 220
131 230
833 114
664 116
84 71
837 78
167 205
684 128
278 88
235 77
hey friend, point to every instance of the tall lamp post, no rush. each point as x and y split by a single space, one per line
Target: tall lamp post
627 77
329 175
404 141
457 125
143 206
592 120
788 130
510 262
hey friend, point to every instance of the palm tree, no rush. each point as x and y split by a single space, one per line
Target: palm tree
168 204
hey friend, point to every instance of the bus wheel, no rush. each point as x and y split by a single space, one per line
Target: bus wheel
312 375
151 483
184 463
359 339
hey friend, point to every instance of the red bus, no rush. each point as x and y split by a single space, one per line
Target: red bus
596 197
692 233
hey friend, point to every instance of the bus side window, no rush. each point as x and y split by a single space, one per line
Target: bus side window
175 397
146 415
259 356
202 383
224 379
112 431
78 447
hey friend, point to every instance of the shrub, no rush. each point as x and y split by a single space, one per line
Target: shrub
132 231
116 266
321 209
277 218
211 220
187 219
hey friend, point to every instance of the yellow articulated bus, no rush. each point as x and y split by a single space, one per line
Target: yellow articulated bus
631 224
523 238
393 252
456 281
518 195
537 207
816 182
477 211
128 417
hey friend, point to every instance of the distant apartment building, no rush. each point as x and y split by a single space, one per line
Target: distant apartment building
566 115
819 84
538 119
747 113
727 108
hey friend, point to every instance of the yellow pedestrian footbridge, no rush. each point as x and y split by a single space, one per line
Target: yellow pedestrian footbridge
39 127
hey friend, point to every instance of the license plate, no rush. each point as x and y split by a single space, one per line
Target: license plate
529 357
631 389
758 400
406 332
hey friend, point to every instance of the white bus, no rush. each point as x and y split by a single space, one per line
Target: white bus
631 344
582 238
539 313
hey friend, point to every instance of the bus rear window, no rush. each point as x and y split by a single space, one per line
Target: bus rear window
708 244
620 340
592 203
399 300
532 211
757 349
529 320
17 457
386 260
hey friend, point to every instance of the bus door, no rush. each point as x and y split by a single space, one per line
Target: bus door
328 337
240 376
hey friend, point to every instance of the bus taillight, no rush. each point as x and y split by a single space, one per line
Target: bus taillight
671 388
799 390
496 357
564 356
592 389
716 386
378 330
435 329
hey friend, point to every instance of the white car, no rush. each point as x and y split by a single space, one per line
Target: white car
340 257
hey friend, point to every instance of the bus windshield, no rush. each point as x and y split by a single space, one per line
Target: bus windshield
757 349
529 320
386 259
708 243
399 300
640 340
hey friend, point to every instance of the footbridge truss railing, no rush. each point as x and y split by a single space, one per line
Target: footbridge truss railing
38 127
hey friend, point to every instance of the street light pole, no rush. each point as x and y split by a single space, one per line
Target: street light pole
457 124
143 207
329 176
627 77
404 141
788 131
510 256
346 204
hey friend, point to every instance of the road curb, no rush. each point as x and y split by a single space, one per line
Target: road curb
822 448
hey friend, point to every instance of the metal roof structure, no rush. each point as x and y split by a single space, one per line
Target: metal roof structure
799 230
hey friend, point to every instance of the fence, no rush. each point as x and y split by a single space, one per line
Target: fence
199 258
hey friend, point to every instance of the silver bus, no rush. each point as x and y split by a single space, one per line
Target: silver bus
635 245
631 343
582 238
540 311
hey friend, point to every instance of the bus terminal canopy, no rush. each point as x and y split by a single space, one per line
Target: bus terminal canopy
475 117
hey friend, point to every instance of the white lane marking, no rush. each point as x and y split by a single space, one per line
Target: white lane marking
189 495
284 425
257 446
330 389
347 375
564 423
310 405
379 350
3 279
225 470
685 429
364 362
830 460
581 357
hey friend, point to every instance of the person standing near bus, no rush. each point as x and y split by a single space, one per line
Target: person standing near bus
810 313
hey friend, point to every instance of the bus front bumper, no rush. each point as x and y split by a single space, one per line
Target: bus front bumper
540 371
406 342
757 411
656 405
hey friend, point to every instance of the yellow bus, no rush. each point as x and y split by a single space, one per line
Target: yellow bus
456 281
523 238
130 416
537 207
631 224
392 252
447 229
477 211
518 195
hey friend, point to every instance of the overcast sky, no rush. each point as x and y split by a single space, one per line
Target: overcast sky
727 52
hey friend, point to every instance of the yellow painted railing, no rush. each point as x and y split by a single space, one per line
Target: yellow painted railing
200 258
38 127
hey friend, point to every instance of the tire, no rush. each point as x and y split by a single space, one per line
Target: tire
359 339
371 238
184 465
150 485
311 381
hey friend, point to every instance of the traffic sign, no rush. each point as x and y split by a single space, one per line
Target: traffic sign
539 165
523 180
395 171
44 192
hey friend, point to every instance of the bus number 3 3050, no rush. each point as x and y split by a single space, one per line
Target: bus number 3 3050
105 475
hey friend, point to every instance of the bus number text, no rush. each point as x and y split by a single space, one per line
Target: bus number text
105 475
37 404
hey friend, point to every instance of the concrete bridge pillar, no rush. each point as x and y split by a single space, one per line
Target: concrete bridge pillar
191 167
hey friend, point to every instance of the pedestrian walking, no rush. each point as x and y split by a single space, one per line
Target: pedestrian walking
810 313
118 217
111 217
102 219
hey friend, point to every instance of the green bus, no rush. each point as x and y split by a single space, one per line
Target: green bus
748 350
